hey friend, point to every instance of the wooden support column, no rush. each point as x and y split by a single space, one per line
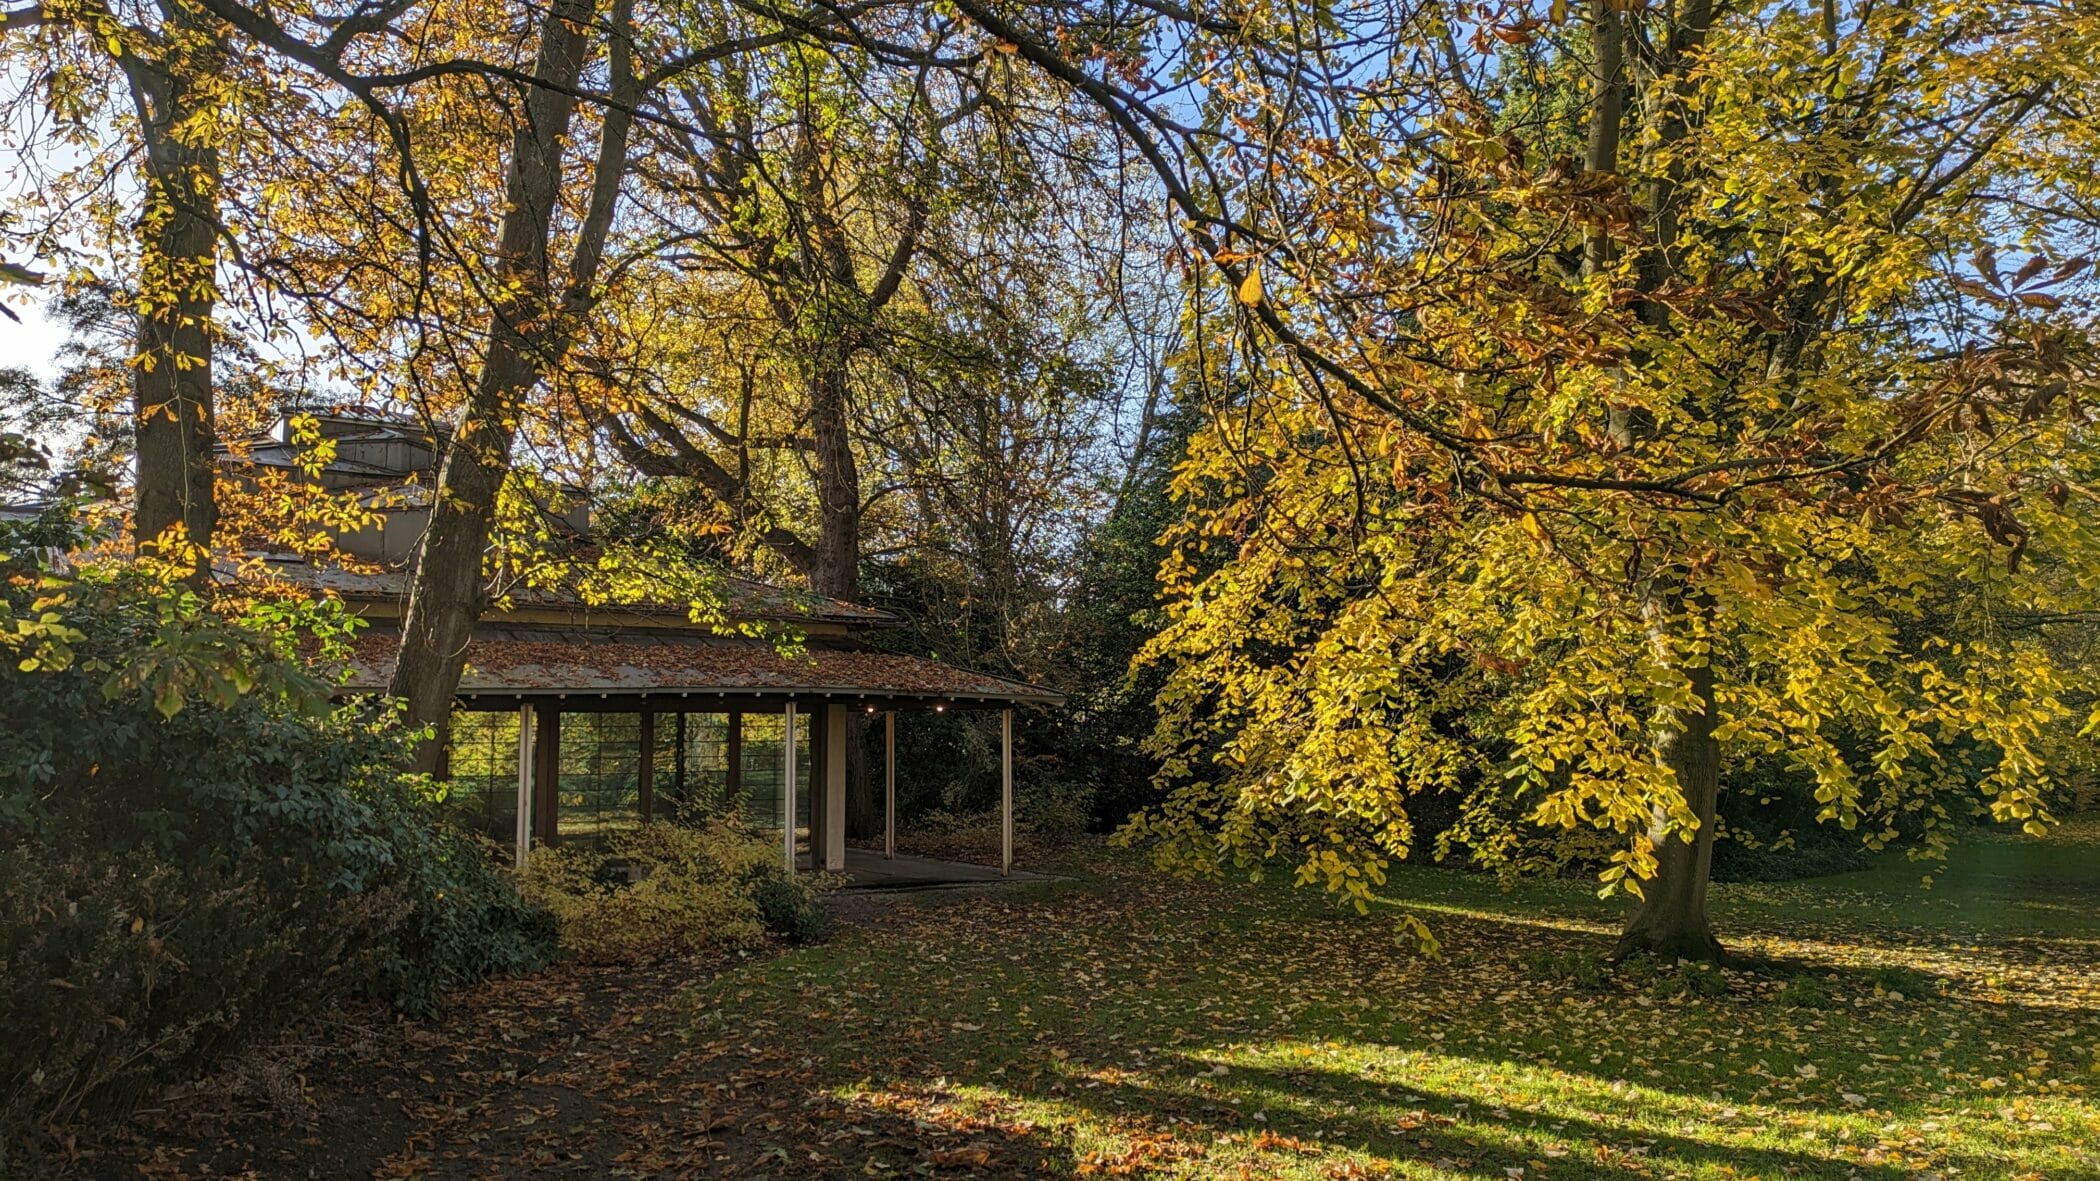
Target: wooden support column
1006 791
546 776
830 853
680 793
819 785
645 771
787 788
524 816
734 756
889 784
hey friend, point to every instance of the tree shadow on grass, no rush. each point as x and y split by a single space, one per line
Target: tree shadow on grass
1252 1114
1273 1116
1208 1002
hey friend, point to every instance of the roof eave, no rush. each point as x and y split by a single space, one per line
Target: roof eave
1039 697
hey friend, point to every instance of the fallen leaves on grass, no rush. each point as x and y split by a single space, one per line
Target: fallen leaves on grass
1145 1028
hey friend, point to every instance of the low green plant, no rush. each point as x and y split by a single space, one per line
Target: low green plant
789 907
1689 978
1042 824
1805 992
1582 970
1897 980
1673 979
466 920
672 889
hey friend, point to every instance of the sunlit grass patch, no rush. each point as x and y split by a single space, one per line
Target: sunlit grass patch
1171 1030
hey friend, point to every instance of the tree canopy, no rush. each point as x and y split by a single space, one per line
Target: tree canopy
1576 410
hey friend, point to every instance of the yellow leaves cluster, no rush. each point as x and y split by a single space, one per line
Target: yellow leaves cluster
1359 613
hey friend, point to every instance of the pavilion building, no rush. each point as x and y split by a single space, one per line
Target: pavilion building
575 720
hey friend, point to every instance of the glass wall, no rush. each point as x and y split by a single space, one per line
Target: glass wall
484 763
601 775
599 790
692 765
762 769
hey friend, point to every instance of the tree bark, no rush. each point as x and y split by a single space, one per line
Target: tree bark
1607 112
171 383
837 572
863 810
837 569
1671 919
448 590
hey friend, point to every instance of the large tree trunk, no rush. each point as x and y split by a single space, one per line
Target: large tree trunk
1671 918
837 570
837 573
448 591
178 229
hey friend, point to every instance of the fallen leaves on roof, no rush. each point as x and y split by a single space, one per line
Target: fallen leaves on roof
584 662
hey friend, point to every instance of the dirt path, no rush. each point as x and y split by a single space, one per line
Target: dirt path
577 1071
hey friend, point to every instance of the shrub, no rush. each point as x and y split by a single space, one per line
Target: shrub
122 975
196 849
789 907
467 921
1770 832
975 836
672 889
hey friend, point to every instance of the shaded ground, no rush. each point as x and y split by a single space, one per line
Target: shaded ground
578 1071
868 869
1123 1025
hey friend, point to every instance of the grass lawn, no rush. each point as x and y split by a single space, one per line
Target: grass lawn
1125 1025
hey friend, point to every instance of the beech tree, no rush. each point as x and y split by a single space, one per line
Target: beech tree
444 139
531 323
849 229
1603 393
154 78
802 213
871 331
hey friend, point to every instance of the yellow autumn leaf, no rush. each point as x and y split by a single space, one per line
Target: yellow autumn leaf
1250 288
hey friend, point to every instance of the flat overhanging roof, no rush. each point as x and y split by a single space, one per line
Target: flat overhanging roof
533 664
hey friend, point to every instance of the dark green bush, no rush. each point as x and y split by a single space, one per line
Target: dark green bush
196 849
789 906
1769 828
466 920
